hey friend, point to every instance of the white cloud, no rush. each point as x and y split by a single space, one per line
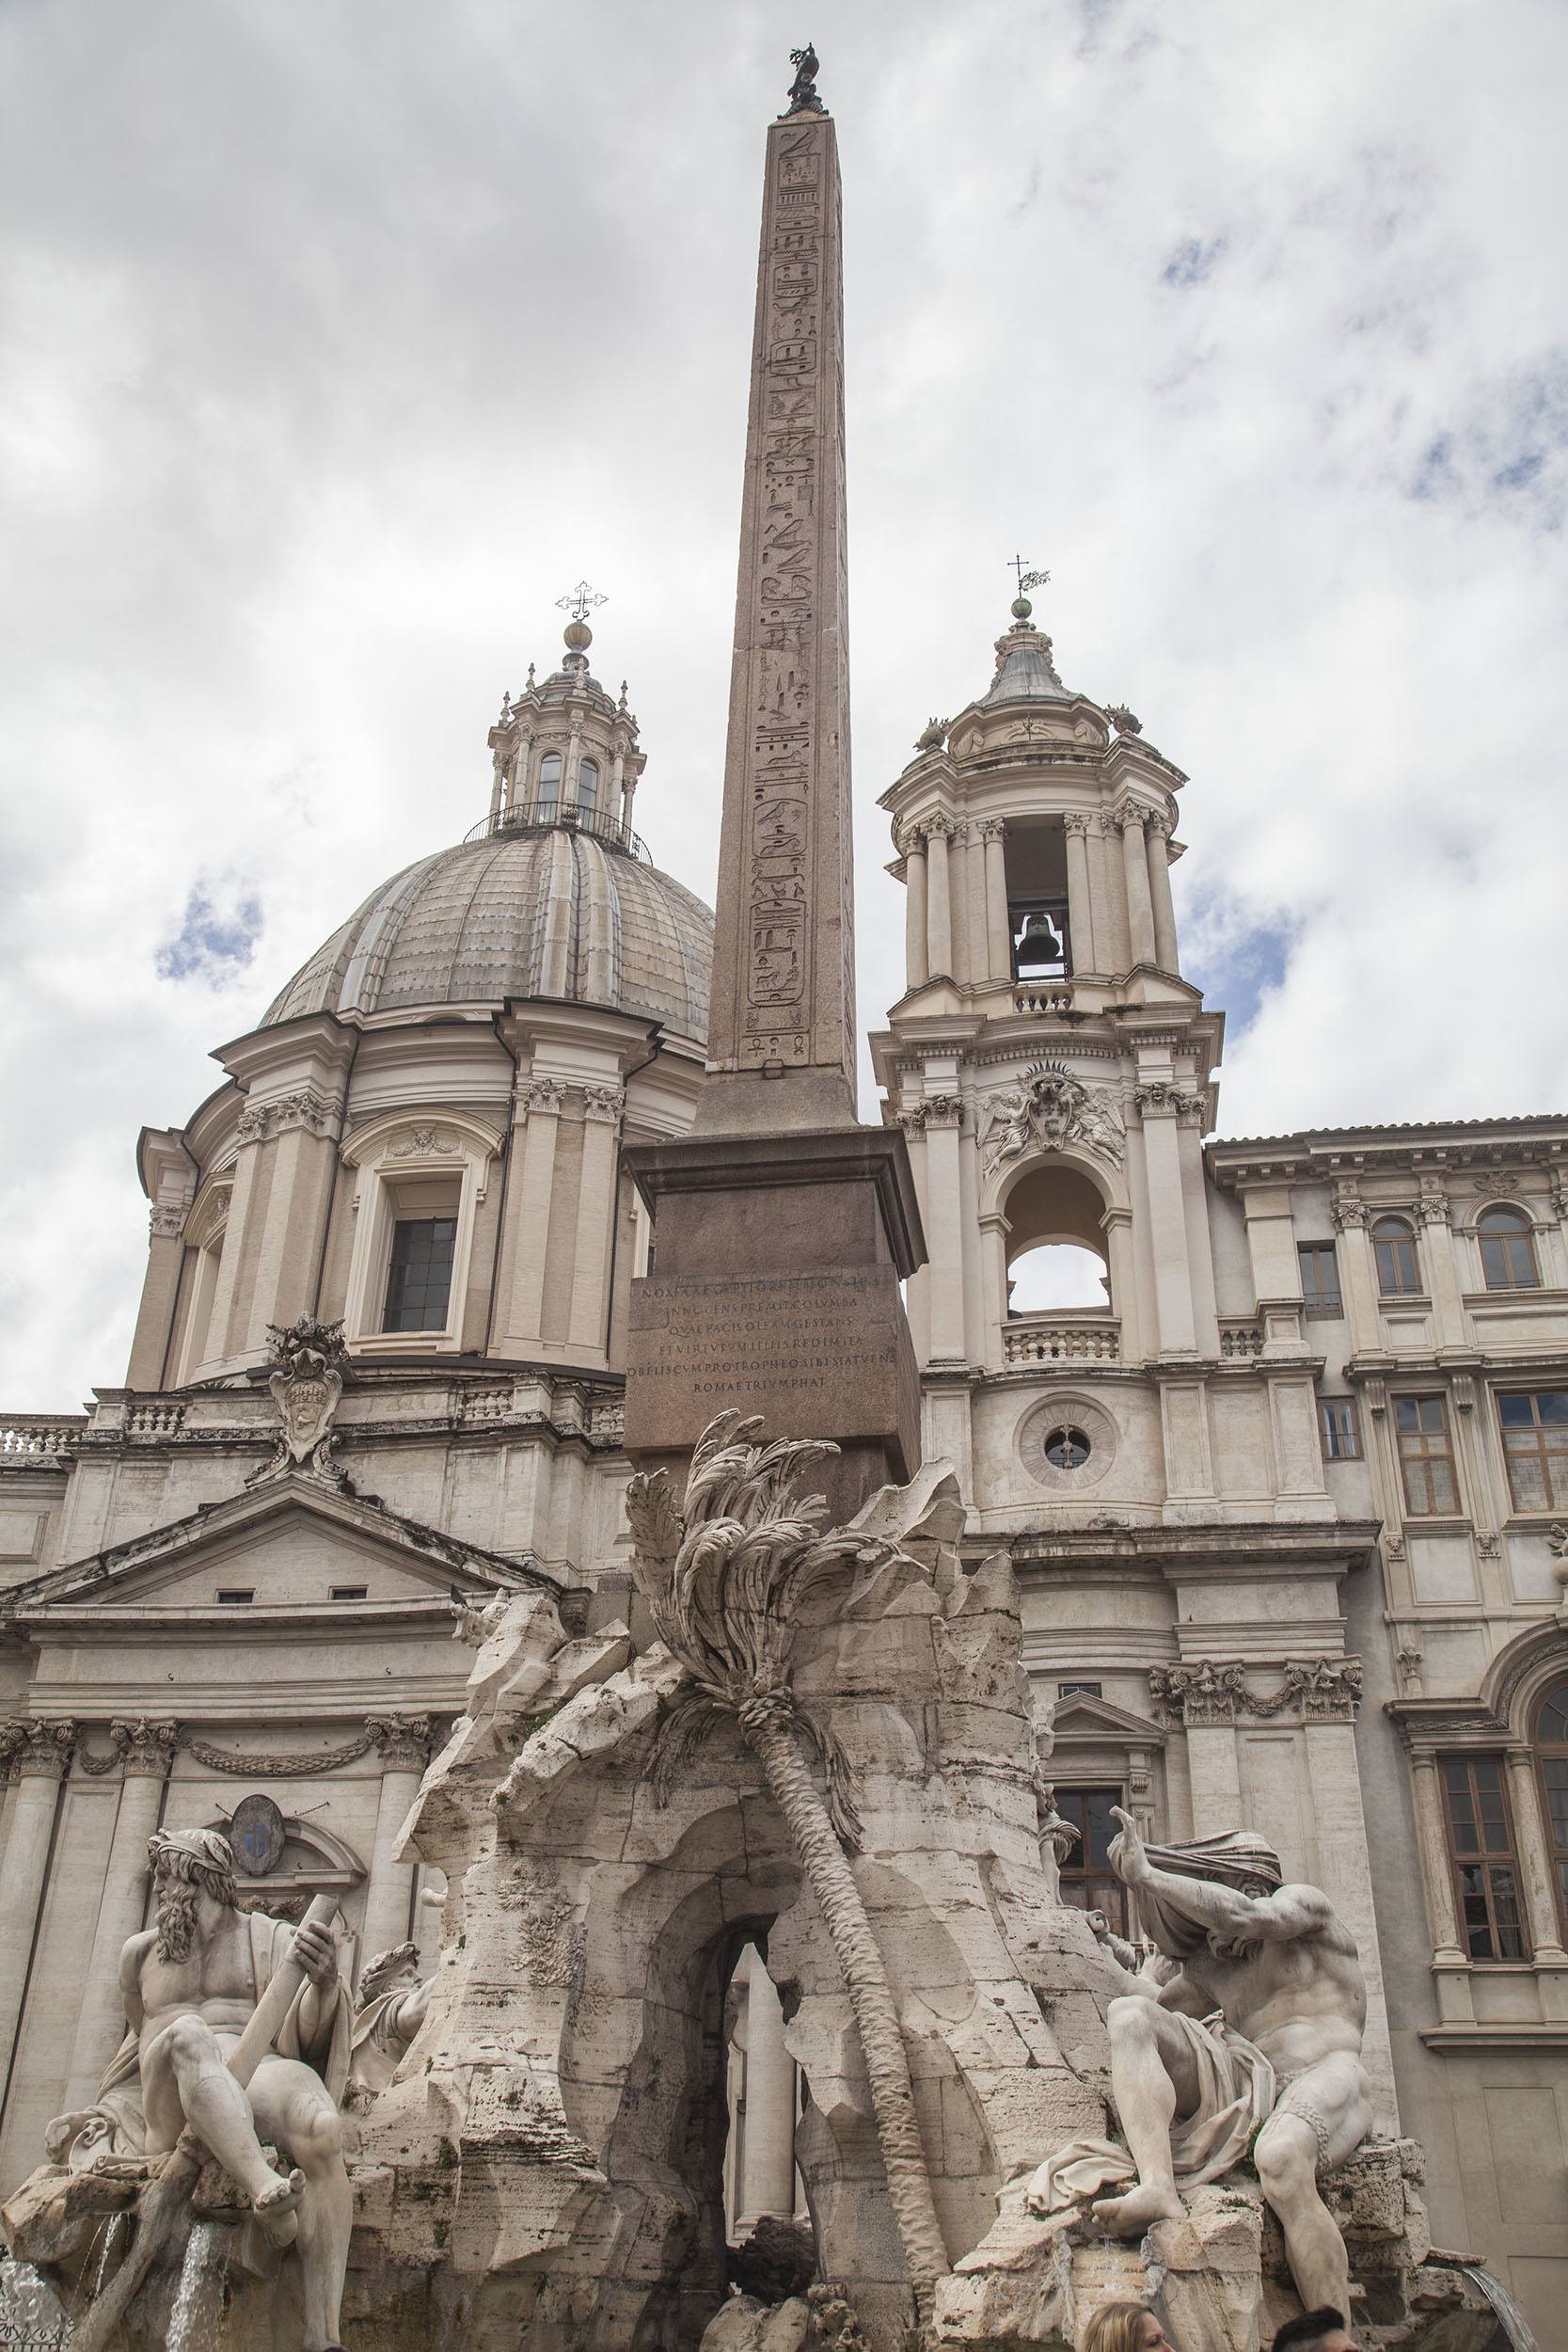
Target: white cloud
342 341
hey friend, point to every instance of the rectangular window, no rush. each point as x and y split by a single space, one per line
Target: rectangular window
1084 1690
1320 1277
236 1596
1485 1867
1426 1459
1535 1446
351 1592
418 1278
1088 1877
1341 1429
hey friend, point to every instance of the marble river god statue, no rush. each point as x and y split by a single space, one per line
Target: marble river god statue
239 2039
1256 2030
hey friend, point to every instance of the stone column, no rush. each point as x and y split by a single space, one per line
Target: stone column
588 1325
1158 1105
1433 1841
1156 834
497 785
301 1130
525 1242
1110 895
405 1742
1116 1225
145 1751
619 800
1140 907
40 1754
1535 1864
999 931
943 1208
165 1255
1080 914
769 2184
1339 1819
1355 1260
916 963
939 899
1447 1307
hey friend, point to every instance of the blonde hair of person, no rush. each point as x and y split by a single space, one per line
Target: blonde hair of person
1124 2328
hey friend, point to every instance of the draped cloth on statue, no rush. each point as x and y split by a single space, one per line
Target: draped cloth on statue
116 2124
1236 2093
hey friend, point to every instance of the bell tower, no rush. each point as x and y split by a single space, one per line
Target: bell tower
1051 1066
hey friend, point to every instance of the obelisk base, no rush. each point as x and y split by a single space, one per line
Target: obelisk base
774 1289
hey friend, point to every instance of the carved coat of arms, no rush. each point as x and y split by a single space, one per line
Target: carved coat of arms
306 1383
1049 1109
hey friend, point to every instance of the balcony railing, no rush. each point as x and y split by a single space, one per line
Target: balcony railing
540 815
1241 1342
1045 998
1051 1338
38 1437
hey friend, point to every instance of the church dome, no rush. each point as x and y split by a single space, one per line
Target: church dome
535 910
552 896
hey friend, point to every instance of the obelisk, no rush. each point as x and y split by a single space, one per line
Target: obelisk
782 1227
784 974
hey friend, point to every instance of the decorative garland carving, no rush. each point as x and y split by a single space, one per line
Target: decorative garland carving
1325 1690
276 1764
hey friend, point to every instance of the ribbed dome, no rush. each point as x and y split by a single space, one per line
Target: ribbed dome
546 913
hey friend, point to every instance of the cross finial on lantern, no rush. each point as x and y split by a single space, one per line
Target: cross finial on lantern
581 600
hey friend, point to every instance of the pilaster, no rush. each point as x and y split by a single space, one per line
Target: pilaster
917 965
1080 902
144 1750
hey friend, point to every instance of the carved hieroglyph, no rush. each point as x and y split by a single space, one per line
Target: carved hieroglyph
784 956
1050 1108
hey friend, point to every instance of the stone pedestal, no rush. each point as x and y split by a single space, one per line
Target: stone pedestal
775 1290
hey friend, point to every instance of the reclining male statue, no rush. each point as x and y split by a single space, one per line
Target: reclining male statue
190 1983
1258 2024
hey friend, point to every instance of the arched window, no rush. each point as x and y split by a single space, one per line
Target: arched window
1551 1758
588 787
1507 1250
550 783
1399 1272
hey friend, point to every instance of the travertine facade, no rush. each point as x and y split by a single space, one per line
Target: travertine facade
1286 1498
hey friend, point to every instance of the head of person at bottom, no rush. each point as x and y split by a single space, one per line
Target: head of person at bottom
1322 2330
1125 2328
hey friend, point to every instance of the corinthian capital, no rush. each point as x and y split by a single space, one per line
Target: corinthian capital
145 1748
40 1750
405 1742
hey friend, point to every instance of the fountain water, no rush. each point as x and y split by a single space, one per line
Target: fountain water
193 2322
31 2319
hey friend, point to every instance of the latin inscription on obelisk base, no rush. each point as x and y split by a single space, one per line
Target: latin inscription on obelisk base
782 1227
784 988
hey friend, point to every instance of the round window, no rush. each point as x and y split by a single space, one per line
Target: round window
1066 1449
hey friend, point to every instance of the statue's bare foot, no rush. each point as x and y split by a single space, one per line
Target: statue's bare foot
277 2209
1127 2217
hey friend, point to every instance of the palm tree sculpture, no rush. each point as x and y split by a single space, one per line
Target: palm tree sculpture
724 1576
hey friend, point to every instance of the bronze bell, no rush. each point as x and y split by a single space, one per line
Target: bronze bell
1042 942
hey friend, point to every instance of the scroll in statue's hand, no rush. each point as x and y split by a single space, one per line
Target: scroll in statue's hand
316 1953
1126 1853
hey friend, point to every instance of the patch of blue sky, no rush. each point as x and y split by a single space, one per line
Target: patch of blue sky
1194 259
1237 968
211 943
1509 454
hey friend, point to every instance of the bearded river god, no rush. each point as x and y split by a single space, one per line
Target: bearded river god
1256 2028
191 1982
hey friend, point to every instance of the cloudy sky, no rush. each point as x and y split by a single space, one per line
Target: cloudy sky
338 339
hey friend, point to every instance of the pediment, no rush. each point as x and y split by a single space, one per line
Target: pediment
1080 1716
288 1544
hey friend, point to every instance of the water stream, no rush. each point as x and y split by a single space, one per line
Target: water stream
1511 2319
193 2322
